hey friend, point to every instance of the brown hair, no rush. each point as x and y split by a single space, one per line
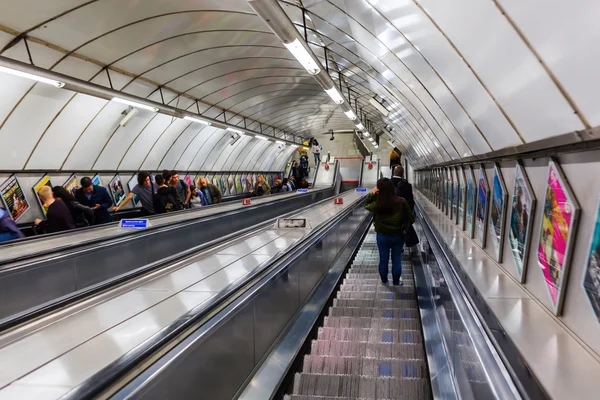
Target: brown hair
387 201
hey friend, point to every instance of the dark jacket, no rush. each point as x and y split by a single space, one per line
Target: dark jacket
215 193
167 200
99 196
390 224
82 215
8 228
404 190
58 218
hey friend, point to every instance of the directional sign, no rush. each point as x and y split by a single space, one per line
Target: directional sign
302 190
361 190
134 223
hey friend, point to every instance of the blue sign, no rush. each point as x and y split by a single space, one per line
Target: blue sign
134 223
302 190
361 190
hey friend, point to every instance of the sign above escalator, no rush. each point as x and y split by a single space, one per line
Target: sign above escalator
134 224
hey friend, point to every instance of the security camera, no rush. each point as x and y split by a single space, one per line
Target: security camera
129 114
331 138
235 138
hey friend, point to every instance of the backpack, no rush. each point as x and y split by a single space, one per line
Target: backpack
165 201
304 162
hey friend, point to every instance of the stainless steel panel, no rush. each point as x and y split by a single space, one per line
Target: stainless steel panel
310 268
274 307
50 282
175 241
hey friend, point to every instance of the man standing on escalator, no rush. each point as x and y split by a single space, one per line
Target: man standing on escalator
404 190
95 197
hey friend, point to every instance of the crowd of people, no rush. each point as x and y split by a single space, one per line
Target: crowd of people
91 204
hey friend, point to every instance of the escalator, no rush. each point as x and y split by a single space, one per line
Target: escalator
371 344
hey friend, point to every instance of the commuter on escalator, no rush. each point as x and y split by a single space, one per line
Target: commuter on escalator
285 185
392 216
316 149
166 199
197 198
144 190
58 217
394 159
8 228
82 216
404 189
297 171
292 183
262 188
183 190
303 184
95 197
211 192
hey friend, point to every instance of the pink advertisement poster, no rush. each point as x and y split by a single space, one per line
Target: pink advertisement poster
558 222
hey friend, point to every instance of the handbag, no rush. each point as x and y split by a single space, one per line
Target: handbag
411 238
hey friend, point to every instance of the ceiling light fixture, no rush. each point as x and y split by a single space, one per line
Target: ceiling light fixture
367 134
33 77
279 141
360 126
350 114
235 131
335 95
198 120
260 137
134 104
303 56
379 106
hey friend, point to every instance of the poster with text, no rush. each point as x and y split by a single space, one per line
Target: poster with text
72 184
455 184
471 194
231 184
462 197
559 218
96 181
591 277
117 190
131 184
498 211
13 198
244 183
188 180
250 183
521 220
238 184
45 181
481 210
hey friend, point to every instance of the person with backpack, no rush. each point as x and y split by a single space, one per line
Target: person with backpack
304 166
183 189
316 149
392 216
8 228
404 189
166 198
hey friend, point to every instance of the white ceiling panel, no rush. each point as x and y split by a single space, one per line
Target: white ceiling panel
240 161
254 154
207 137
161 145
142 145
15 18
186 145
207 155
565 34
225 163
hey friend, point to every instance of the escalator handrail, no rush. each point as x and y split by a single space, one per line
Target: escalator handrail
109 375
127 234
53 305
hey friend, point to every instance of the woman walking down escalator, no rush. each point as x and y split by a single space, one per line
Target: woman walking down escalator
392 217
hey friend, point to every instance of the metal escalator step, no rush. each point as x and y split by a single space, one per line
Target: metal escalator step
385 295
374 280
363 322
403 351
393 313
315 364
384 303
309 397
373 335
354 386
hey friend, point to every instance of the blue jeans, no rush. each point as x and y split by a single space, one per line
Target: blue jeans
317 157
395 244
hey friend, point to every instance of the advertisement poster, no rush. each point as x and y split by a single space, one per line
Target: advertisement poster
215 181
223 185
72 184
188 180
254 177
481 211
462 197
14 198
559 217
521 220
591 277
249 183
449 183
131 184
238 184
117 190
498 205
231 184
45 181
244 184
470 201
455 184
96 181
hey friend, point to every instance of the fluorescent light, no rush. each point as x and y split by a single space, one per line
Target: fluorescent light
371 140
367 134
306 148
303 56
200 121
279 141
294 145
376 146
41 79
235 131
335 95
134 104
379 107
350 114
260 137
360 126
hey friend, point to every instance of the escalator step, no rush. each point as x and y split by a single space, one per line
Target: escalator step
393 313
386 304
372 335
363 322
315 364
356 386
403 351
375 295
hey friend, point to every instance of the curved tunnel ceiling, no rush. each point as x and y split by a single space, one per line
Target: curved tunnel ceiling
457 83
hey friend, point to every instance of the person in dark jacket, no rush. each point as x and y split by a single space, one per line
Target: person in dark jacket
167 199
82 215
8 228
58 217
95 197
392 216
292 182
211 192
403 188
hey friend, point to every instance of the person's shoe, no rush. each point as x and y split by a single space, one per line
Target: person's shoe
384 282
399 283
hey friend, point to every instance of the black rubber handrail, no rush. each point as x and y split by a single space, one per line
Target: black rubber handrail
105 378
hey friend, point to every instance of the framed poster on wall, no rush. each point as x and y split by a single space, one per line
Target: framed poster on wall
591 276
482 208
462 198
521 220
96 180
249 182
72 184
454 208
131 184
449 191
557 233
117 190
231 184
498 212
45 181
13 198
471 195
